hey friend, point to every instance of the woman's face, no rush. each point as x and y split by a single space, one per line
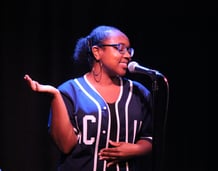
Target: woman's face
115 54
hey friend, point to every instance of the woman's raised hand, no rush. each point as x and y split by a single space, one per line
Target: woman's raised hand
36 86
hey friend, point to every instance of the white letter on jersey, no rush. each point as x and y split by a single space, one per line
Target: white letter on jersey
85 129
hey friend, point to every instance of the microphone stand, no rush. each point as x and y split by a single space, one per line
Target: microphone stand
158 125
158 120
155 160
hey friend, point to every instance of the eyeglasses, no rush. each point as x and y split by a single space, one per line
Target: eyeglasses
121 48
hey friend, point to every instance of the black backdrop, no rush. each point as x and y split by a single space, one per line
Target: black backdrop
38 37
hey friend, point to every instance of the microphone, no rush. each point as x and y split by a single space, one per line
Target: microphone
134 67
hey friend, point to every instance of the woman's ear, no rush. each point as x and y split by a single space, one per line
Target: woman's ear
96 52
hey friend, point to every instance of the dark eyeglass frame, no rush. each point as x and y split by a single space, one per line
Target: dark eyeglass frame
121 48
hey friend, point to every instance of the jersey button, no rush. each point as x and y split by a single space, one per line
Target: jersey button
103 132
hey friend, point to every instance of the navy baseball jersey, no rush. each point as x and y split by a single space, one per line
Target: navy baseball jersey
92 119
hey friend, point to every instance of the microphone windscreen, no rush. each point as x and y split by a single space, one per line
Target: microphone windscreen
131 66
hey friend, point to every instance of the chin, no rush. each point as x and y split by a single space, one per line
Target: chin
122 74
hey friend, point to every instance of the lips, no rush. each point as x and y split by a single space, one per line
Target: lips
124 64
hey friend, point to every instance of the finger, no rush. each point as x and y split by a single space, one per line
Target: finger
112 163
107 158
113 143
27 77
109 151
30 82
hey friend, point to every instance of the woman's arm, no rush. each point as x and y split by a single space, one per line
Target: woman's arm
61 129
122 151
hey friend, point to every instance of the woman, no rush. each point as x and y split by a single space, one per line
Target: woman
100 120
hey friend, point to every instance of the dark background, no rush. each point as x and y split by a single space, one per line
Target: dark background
38 38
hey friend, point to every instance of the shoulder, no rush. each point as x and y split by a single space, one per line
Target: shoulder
69 84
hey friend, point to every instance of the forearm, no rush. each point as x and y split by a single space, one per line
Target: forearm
143 147
140 148
61 129
124 150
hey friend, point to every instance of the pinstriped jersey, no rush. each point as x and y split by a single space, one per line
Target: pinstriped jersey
91 117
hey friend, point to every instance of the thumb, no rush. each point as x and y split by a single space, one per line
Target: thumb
113 143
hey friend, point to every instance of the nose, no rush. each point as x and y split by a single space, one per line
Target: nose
128 57
127 54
